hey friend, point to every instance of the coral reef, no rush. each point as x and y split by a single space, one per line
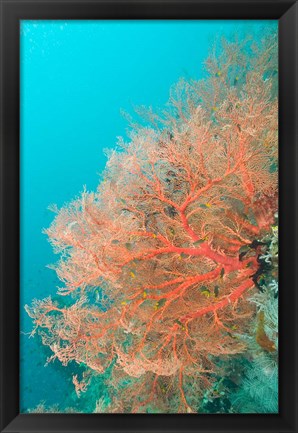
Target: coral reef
259 388
163 264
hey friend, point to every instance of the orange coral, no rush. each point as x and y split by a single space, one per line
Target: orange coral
162 239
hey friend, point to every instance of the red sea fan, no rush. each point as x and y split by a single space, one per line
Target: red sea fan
172 239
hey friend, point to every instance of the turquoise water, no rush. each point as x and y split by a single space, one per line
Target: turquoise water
76 77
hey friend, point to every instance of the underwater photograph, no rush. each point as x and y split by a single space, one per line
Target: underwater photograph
149 216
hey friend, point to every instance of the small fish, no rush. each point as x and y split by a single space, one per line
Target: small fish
208 205
123 303
199 242
216 291
160 303
129 246
206 293
144 295
214 108
218 73
222 272
178 322
97 296
132 274
243 251
184 256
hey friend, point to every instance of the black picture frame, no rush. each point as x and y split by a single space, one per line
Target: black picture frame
11 13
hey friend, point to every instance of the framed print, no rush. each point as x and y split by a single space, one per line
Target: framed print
148 243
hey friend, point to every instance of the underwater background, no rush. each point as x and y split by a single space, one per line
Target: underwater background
76 77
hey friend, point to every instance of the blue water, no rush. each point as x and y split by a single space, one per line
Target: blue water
76 76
